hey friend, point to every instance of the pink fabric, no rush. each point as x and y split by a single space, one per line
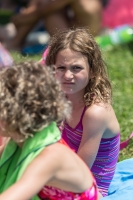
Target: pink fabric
54 194
104 165
5 57
44 56
118 12
125 143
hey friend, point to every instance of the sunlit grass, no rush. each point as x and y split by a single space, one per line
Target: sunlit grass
120 67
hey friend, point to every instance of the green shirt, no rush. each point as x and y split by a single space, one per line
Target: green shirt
15 160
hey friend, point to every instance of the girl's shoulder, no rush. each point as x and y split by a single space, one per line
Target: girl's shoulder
101 116
98 111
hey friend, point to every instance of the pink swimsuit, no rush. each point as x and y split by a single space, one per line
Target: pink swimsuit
53 193
104 166
56 194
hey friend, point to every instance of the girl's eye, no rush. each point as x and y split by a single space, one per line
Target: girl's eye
76 68
61 68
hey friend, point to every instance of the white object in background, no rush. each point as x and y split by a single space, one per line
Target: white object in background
38 38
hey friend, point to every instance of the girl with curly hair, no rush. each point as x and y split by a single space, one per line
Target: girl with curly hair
92 131
33 160
5 60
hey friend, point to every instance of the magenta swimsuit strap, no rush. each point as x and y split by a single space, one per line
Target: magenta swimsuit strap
82 114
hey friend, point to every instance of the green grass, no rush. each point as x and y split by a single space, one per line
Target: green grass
120 67
5 16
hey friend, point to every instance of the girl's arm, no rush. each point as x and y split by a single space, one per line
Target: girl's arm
94 125
37 174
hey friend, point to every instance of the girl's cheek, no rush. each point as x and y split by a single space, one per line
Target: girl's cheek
57 76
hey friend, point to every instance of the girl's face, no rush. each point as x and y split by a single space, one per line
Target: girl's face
72 71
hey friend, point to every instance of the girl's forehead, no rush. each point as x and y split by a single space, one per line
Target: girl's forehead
69 52
68 55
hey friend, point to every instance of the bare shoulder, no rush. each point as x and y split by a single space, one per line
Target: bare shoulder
56 148
53 151
49 161
101 117
98 112
56 152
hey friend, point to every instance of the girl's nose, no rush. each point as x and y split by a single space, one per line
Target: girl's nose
68 74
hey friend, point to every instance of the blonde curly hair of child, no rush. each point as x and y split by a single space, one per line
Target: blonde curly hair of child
30 98
80 40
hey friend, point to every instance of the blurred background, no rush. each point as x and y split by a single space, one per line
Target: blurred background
26 25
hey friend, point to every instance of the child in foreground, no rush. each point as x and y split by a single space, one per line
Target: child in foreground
93 130
36 163
5 60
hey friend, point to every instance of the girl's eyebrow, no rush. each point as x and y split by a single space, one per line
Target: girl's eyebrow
60 66
72 65
76 65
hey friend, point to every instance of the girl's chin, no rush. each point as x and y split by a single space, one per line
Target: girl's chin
68 91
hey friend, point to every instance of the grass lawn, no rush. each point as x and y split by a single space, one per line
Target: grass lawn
120 67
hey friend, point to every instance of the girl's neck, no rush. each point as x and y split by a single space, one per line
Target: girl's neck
76 100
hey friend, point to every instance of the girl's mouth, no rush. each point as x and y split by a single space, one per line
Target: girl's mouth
68 83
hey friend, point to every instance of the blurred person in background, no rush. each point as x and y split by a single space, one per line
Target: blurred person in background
56 15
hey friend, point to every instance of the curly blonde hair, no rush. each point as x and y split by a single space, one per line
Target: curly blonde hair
30 98
80 40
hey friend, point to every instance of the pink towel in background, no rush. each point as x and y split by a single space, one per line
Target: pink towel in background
43 60
5 57
118 12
